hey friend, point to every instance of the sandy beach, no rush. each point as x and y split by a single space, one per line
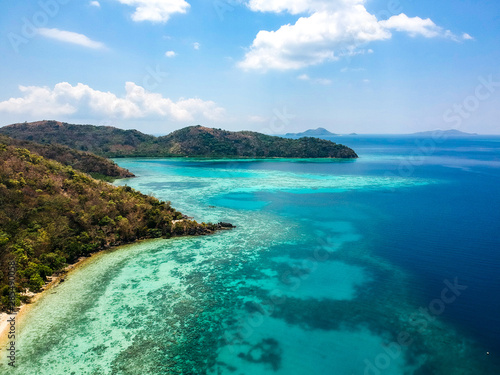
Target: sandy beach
54 281
24 308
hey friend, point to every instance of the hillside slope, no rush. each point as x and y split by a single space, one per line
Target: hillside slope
96 166
100 140
51 215
191 141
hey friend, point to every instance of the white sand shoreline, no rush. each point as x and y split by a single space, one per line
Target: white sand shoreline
24 308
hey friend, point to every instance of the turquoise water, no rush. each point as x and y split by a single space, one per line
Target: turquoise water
334 268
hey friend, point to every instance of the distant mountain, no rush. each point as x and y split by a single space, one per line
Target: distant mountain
97 166
191 141
439 132
319 132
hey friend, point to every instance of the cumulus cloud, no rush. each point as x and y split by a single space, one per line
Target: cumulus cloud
156 10
70 37
322 36
326 30
170 54
413 26
65 99
95 4
196 45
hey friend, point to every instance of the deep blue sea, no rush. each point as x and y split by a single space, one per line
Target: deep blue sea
443 230
388 264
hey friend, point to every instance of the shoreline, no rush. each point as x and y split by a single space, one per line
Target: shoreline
55 280
25 307
59 277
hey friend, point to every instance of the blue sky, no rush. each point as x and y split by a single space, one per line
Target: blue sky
274 66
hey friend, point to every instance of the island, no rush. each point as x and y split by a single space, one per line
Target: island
441 133
192 141
319 132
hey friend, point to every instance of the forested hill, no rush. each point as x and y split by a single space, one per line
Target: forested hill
199 140
191 141
51 215
97 166
100 140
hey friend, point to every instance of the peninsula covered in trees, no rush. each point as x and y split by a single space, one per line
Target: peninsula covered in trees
194 141
52 214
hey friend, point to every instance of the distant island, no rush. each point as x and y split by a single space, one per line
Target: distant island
449 133
322 132
193 141
52 214
319 132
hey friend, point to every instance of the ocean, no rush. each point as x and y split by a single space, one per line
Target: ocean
388 264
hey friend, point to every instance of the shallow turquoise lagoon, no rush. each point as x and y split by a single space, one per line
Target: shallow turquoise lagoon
334 268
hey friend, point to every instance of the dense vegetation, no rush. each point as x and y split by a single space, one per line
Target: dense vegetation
201 141
97 166
191 141
51 215
100 140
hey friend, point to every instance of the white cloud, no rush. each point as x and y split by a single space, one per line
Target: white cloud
70 37
196 45
327 30
413 26
466 36
293 6
95 4
320 81
41 100
156 10
323 36
65 99
170 54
